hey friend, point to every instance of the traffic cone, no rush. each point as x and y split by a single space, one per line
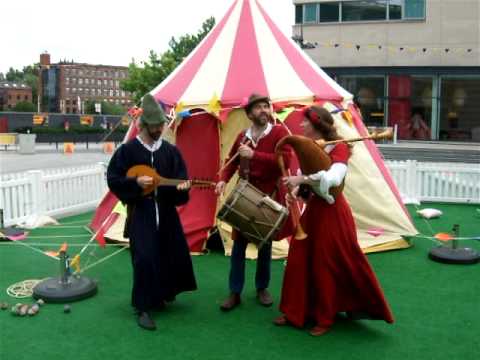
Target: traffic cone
108 147
68 148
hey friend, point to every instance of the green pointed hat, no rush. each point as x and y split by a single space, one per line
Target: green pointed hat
152 112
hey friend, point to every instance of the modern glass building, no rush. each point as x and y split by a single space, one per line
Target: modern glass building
410 63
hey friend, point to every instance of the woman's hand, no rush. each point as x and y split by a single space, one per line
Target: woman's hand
294 181
289 199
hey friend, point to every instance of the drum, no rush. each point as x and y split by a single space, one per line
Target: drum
257 216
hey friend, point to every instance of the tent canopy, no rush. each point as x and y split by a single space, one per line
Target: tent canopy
244 53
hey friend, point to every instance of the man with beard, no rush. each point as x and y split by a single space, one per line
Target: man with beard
257 163
161 261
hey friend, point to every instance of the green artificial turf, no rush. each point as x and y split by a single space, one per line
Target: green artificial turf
436 307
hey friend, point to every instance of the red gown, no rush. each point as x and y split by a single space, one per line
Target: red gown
328 273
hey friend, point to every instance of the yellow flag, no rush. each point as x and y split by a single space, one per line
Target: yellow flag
180 106
120 209
214 106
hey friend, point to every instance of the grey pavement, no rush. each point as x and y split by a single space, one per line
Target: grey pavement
48 157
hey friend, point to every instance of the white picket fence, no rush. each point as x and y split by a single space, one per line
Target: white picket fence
61 192
52 192
443 182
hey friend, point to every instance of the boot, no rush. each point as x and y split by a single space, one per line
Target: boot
145 321
231 302
264 297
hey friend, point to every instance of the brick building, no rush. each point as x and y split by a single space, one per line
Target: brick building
64 87
12 93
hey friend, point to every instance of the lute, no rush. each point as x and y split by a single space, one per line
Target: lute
158 180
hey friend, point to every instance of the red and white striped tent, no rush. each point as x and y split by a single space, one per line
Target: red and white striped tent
245 53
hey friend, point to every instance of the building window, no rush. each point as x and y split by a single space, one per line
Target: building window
410 106
364 10
18 97
369 95
310 13
299 14
25 97
395 9
359 10
414 9
105 82
329 12
67 80
80 81
459 109
117 83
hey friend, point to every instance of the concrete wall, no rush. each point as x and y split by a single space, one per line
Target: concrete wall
452 24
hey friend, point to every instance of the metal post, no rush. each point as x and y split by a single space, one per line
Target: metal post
63 268
456 233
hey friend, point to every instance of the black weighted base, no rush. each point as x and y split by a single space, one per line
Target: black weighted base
54 291
450 255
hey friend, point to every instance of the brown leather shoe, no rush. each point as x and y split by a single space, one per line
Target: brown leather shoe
319 330
231 302
281 321
264 297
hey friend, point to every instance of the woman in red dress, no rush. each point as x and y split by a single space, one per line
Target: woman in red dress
327 273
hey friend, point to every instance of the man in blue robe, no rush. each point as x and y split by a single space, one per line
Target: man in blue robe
162 267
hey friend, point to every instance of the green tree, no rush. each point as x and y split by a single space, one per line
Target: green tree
107 108
25 106
29 76
142 79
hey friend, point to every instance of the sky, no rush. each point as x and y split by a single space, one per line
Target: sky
108 32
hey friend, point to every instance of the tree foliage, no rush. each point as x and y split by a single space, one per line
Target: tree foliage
107 108
142 79
28 76
24 106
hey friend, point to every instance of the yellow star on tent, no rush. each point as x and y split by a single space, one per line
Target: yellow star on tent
214 106
347 116
180 106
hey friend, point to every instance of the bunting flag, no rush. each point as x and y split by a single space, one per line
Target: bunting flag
392 48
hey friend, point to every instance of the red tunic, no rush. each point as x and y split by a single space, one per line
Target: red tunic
264 170
327 273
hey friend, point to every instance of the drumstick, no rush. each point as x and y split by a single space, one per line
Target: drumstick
233 158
